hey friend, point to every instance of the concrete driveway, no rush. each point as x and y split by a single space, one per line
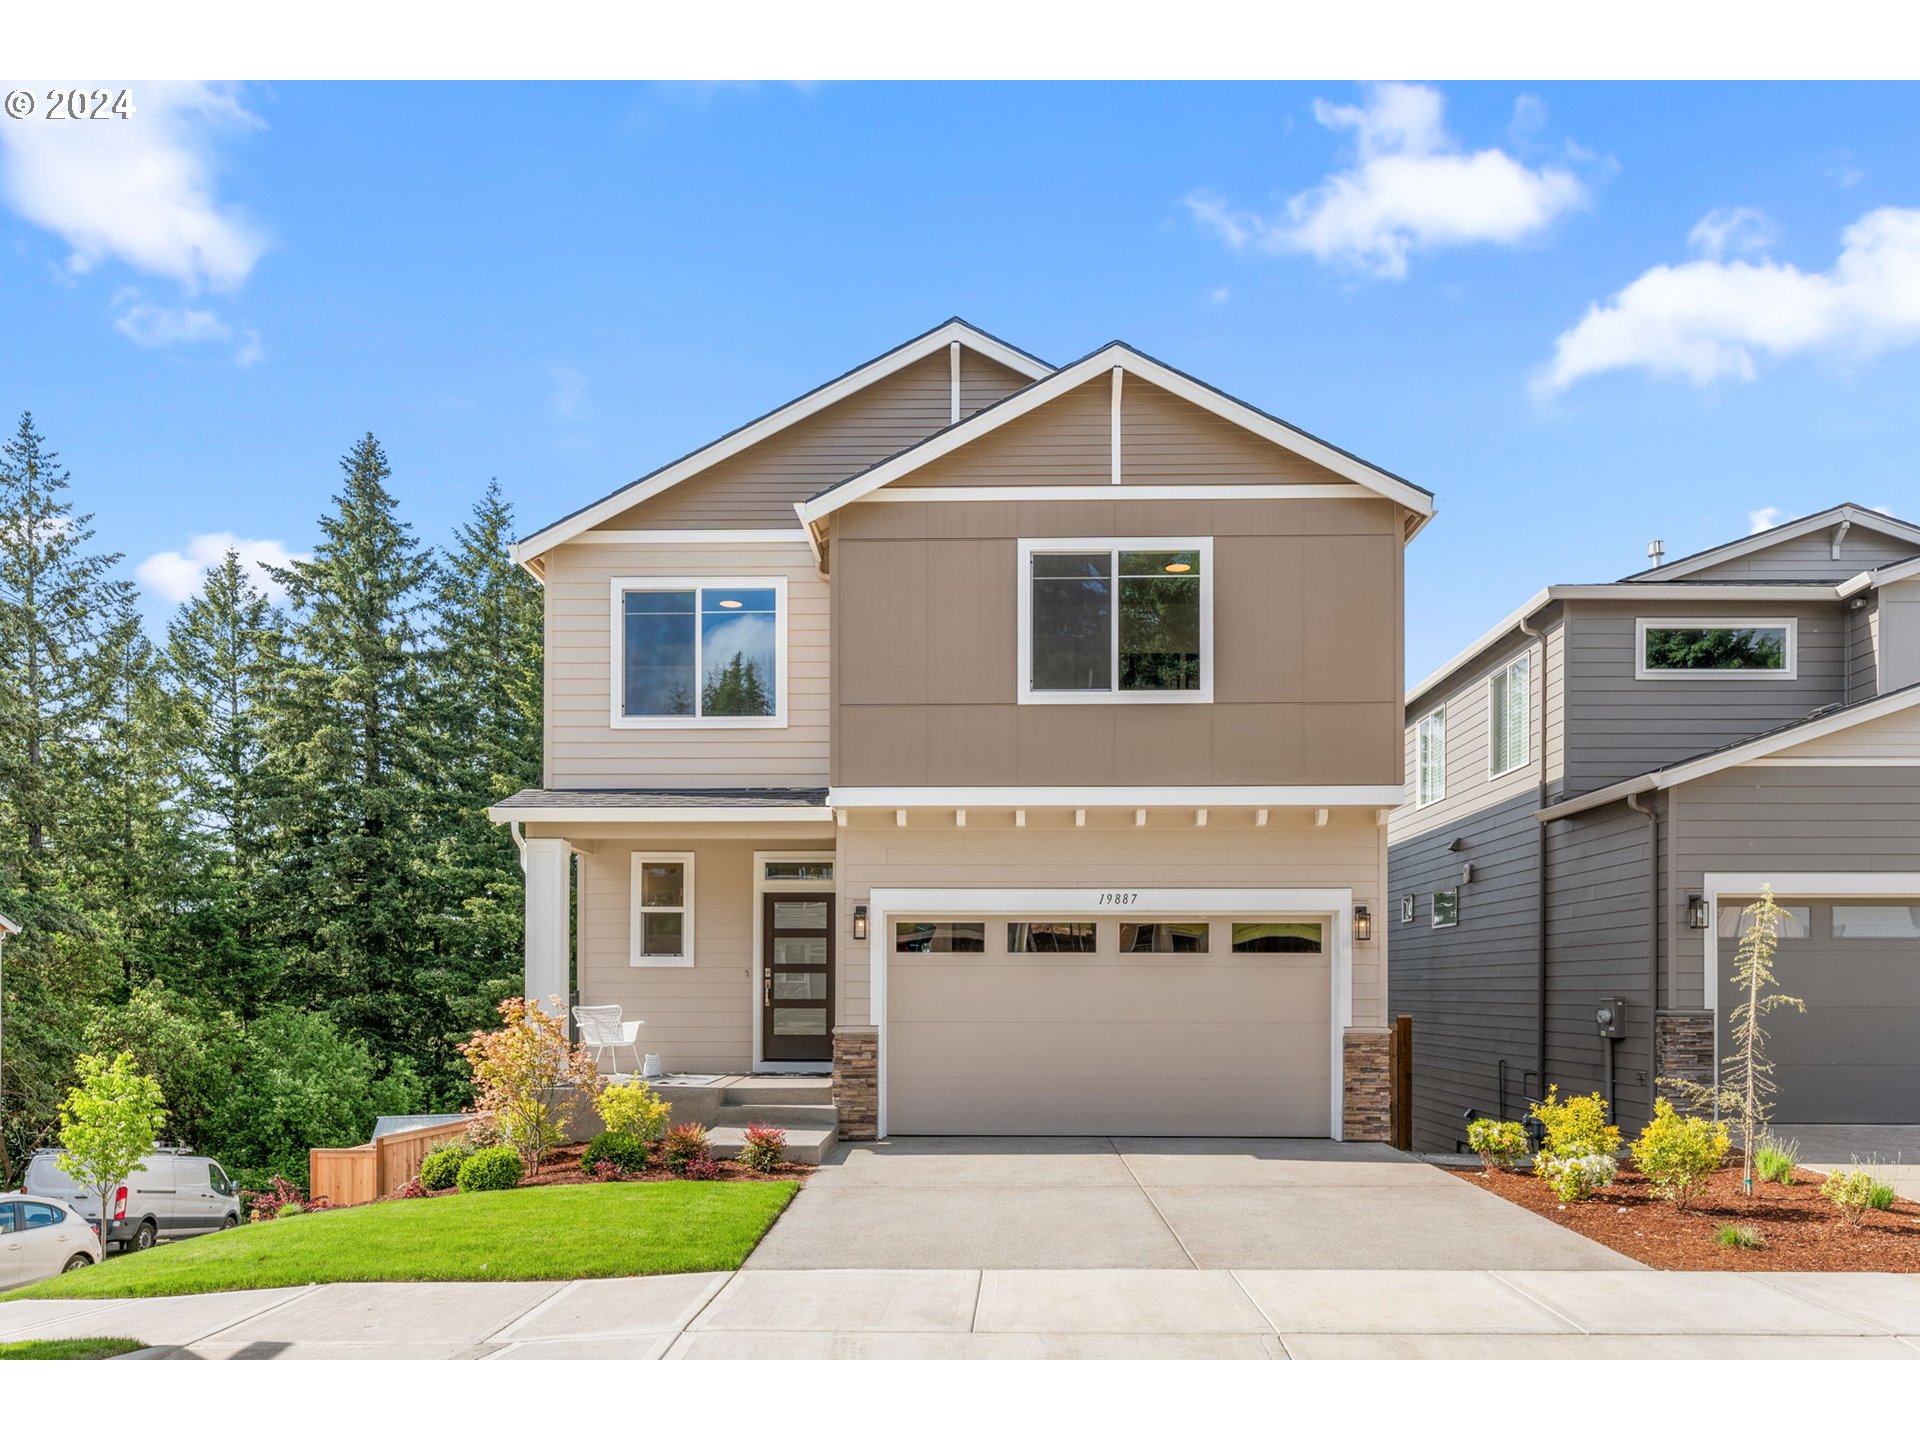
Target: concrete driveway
1093 1204
1892 1152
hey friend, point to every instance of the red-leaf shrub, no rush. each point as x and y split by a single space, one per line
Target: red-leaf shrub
764 1147
703 1167
684 1145
607 1170
412 1190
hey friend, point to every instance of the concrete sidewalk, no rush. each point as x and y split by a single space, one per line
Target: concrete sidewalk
1030 1314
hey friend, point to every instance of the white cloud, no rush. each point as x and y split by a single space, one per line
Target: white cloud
1764 518
1741 230
1219 295
1411 187
154 326
1715 318
138 190
176 576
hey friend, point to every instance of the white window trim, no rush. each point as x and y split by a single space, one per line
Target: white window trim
1526 725
1697 622
1420 798
622 585
1067 545
684 960
1437 923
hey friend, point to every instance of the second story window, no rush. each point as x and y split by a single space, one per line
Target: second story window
1431 783
1104 620
699 652
1755 649
1509 716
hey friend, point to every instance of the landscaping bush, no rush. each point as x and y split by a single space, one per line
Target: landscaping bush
1775 1160
1882 1197
764 1147
633 1109
1852 1191
1576 1177
1739 1237
607 1170
621 1151
412 1190
683 1145
288 1211
521 1073
1678 1152
1498 1143
1575 1126
703 1167
440 1168
497 1167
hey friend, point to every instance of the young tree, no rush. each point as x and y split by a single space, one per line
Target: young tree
108 1126
521 1073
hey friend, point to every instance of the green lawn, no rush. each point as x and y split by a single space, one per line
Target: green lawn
67 1349
552 1232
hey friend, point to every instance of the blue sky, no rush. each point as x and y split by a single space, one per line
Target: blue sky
564 286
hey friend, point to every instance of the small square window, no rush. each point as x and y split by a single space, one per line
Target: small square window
1406 909
1446 908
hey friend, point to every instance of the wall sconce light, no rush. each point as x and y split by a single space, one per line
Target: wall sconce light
1696 912
1466 873
859 922
1362 923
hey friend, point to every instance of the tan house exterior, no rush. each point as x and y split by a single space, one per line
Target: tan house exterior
1013 742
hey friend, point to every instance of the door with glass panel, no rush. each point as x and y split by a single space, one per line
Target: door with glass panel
796 977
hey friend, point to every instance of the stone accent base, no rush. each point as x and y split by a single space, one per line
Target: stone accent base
856 1081
1683 1050
1367 1084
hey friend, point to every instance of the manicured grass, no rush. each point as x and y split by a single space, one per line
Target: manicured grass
549 1232
68 1349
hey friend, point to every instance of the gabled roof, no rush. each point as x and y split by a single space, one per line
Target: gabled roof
1849 514
1825 721
1118 355
774 421
1891 573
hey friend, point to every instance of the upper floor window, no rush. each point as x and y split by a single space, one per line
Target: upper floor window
1751 648
1431 782
699 652
1509 715
1104 620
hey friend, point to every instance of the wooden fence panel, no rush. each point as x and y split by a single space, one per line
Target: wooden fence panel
346 1177
401 1154
1400 1066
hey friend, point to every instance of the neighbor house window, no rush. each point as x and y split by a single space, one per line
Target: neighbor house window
1876 922
1446 908
1509 715
662 921
1406 909
1431 784
1755 648
1039 937
691 652
1178 937
1735 922
940 937
1276 937
1113 620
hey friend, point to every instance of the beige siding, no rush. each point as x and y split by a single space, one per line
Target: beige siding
584 750
1064 442
757 488
1894 737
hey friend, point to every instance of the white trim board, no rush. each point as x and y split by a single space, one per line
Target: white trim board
662 814
1335 904
792 536
1787 885
1127 797
937 494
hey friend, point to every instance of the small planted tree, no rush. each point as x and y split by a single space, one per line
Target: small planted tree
520 1073
108 1126
1746 1085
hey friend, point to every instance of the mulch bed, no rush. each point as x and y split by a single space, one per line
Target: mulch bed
1799 1230
562 1167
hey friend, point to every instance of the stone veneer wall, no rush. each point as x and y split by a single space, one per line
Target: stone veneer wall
856 1080
1367 1084
1683 1049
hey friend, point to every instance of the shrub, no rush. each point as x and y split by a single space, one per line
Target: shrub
633 1109
520 1072
1739 1237
1575 1126
288 1211
683 1145
607 1170
497 1167
412 1190
764 1147
703 1167
623 1152
1576 1177
1498 1143
1775 1160
1852 1191
1882 1197
267 1204
1678 1152
440 1167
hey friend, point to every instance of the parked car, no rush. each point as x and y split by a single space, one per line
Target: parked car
173 1195
41 1237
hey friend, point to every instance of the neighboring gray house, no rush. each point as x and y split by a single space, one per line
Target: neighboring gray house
1600 783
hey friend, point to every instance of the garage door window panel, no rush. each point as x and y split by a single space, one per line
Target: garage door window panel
1735 922
1278 937
1165 938
1052 937
1876 922
940 937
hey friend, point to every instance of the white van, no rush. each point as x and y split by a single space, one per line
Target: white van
173 1195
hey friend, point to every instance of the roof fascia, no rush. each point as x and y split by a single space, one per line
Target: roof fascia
1780 534
1874 579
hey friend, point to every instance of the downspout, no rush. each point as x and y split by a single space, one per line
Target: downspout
1540 871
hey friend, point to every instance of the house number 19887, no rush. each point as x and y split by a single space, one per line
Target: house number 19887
1120 897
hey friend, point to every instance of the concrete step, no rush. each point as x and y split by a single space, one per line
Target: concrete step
804 1146
787 1117
778 1090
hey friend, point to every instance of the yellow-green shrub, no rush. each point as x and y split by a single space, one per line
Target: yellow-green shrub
1678 1152
1498 1143
632 1109
1575 1126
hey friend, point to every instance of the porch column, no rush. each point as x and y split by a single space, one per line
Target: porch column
548 864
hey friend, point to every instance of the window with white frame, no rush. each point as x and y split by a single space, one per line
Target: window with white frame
1431 782
1106 620
1406 909
699 652
662 918
1753 649
1510 715
1446 909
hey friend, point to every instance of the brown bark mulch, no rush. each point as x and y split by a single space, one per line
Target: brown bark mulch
562 1167
1799 1229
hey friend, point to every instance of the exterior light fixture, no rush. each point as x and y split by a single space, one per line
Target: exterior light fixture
1696 912
1178 567
1466 873
859 922
1362 923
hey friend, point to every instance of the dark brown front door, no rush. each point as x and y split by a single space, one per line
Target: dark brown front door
796 978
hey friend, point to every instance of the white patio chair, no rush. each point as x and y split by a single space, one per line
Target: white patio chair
603 1031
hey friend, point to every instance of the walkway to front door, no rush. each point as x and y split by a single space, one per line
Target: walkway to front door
1207 1204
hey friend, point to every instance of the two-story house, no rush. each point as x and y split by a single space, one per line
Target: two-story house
1600 784
1015 742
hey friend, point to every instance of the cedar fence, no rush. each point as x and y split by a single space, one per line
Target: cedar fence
366 1172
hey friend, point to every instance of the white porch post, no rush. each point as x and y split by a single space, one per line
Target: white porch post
548 865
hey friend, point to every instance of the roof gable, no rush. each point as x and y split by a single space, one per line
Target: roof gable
1799 549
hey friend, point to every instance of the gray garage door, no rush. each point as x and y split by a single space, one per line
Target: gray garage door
1854 1057
1103 1028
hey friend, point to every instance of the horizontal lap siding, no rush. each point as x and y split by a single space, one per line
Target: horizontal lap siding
1810 557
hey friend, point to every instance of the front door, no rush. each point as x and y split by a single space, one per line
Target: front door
796 977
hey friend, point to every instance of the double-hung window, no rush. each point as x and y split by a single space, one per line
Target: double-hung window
1509 716
1116 620
661 925
1728 649
699 652
1431 782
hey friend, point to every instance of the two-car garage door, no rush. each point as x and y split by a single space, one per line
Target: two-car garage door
1090 1026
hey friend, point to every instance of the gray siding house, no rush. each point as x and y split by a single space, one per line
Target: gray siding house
1599 784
